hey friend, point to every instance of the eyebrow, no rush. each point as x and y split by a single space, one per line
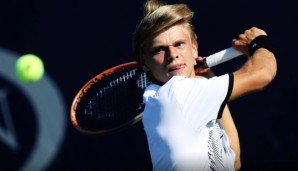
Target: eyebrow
162 45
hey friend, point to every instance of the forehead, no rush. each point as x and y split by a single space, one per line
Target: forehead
174 33
170 35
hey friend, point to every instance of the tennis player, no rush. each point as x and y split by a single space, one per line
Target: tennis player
181 111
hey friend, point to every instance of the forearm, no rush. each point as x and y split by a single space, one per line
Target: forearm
258 71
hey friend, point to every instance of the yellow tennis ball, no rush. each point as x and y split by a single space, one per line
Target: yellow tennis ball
29 68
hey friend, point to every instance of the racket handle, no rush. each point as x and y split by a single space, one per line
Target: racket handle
219 57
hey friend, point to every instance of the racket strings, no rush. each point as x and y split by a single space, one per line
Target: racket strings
143 80
113 100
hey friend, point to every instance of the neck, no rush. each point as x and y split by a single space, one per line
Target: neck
155 81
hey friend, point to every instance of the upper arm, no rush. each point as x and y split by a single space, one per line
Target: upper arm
230 128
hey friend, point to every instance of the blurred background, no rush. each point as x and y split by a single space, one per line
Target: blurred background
78 39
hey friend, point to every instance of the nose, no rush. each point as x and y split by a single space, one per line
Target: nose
172 53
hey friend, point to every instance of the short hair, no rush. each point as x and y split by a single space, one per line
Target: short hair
158 16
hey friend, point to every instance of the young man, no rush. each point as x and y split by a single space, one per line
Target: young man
181 113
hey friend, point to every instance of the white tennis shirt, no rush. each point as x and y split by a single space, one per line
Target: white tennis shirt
180 121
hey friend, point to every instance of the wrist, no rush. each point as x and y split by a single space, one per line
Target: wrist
261 41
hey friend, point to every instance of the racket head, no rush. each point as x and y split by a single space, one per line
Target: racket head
111 101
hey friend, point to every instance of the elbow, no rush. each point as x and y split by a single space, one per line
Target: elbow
263 74
267 74
237 165
264 79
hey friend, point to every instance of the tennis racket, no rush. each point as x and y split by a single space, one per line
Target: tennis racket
113 99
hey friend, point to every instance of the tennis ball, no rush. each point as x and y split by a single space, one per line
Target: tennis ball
29 68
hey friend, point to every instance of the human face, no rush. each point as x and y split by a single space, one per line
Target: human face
170 53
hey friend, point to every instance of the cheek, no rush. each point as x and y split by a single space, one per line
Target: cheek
149 64
194 55
191 55
194 52
155 61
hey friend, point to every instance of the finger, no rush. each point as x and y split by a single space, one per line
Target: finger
258 31
242 37
201 71
238 42
199 58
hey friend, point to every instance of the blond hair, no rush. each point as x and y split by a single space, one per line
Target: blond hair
158 17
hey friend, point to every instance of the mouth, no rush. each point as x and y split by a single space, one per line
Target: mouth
176 68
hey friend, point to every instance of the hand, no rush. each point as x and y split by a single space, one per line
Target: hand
204 72
199 60
244 39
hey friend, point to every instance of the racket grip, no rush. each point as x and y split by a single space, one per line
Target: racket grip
218 58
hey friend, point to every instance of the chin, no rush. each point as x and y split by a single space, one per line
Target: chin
179 74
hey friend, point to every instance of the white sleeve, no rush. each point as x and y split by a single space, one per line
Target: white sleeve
202 100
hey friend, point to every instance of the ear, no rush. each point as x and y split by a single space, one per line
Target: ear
144 66
195 50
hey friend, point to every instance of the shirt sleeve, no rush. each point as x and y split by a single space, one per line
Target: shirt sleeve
202 100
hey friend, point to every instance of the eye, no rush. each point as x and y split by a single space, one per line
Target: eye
159 50
179 44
